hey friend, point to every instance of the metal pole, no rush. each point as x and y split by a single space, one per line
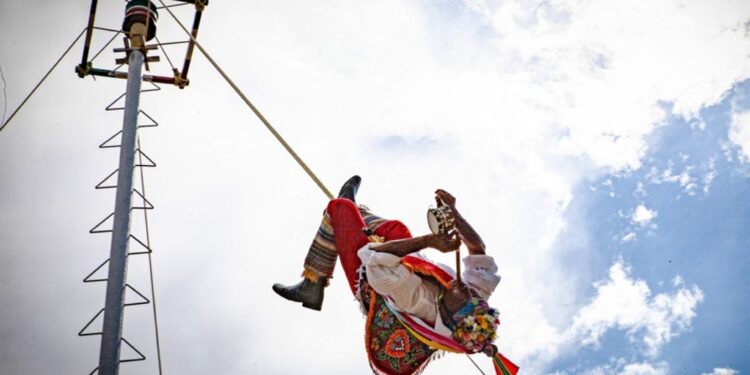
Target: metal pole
109 354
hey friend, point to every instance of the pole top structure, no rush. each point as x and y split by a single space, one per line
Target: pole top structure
140 22
146 13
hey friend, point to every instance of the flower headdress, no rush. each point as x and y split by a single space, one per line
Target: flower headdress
474 326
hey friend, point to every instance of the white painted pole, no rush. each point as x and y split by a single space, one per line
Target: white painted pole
109 353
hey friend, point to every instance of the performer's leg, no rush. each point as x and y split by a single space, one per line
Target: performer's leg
321 257
326 247
320 260
393 230
346 220
371 220
318 268
388 229
347 223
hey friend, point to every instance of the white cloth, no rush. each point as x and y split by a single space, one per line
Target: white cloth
411 294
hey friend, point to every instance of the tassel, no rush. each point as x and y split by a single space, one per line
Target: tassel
314 276
503 366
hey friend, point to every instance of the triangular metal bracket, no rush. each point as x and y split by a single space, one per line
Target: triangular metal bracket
143 301
109 143
105 143
141 357
111 185
140 163
81 332
111 107
95 228
152 124
148 249
154 85
88 278
146 204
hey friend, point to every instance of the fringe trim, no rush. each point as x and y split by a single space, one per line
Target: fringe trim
315 276
421 368
370 312
358 293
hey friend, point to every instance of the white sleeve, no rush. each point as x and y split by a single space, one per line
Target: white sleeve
480 272
388 277
385 273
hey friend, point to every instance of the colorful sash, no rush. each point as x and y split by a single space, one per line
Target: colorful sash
400 344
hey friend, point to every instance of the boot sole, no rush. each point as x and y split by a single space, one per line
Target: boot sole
313 306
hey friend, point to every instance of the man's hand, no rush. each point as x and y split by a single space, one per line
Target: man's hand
466 233
442 196
445 242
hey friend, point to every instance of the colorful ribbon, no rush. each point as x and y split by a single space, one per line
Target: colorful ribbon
426 334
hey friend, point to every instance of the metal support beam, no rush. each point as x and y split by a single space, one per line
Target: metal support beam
109 353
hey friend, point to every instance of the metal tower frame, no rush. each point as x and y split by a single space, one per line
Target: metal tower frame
139 26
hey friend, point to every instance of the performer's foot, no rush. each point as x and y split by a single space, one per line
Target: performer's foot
350 187
308 292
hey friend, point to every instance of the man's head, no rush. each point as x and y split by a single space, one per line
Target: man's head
472 321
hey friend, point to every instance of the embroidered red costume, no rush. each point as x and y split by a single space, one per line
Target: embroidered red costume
401 294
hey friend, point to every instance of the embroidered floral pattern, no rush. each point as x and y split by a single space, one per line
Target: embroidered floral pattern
384 317
374 344
390 347
398 344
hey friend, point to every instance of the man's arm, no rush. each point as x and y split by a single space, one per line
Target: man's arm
443 242
467 234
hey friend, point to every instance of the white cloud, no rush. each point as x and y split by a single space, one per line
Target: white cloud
739 133
686 178
586 54
668 175
640 190
630 236
621 366
521 102
710 174
722 371
644 369
643 216
624 303
678 281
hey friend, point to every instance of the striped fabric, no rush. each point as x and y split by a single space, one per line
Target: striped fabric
373 221
141 10
503 366
321 257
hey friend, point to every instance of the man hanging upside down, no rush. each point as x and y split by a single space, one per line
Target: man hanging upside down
414 306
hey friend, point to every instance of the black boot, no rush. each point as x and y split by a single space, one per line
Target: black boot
308 292
350 187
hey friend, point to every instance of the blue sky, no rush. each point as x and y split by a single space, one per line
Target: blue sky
698 232
601 149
